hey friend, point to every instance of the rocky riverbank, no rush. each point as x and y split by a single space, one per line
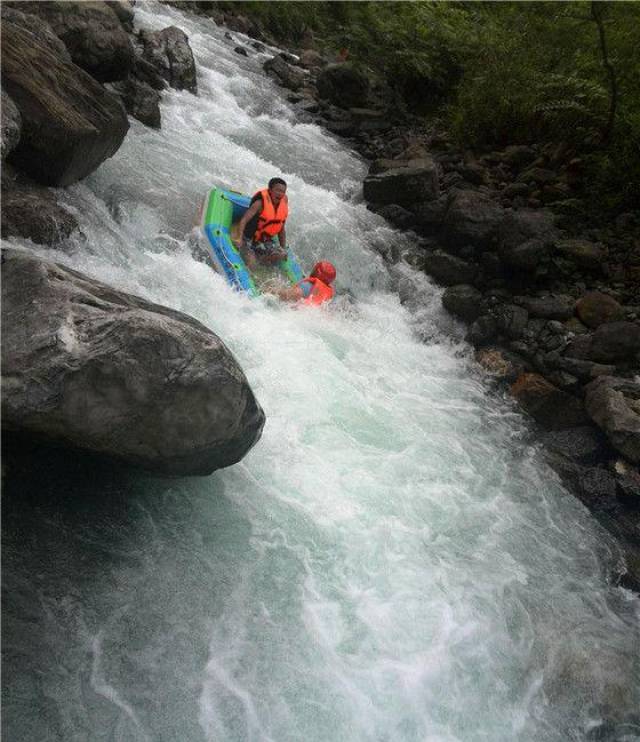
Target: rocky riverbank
549 296
84 365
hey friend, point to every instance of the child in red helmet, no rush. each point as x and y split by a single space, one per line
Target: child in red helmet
316 288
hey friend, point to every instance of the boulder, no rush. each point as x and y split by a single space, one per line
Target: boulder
11 125
520 226
124 11
610 402
344 85
501 364
87 366
595 309
483 330
287 75
93 34
471 218
447 269
168 51
407 184
586 255
615 341
553 408
558 307
141 100
70 123
430 215
311 59
36 26
31 211
585 444
511 320
463 301
527 257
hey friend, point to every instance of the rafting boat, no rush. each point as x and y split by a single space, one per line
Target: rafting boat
221 212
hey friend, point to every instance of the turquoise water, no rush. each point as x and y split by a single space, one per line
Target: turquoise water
392 561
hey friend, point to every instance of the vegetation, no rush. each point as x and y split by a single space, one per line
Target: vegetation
499 72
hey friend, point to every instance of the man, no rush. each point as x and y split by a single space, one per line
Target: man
314 289
262 223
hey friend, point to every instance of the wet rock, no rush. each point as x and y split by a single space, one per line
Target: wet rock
92 33
559 307
405 185
168 51
584 444
463 301
596 308
610 403
288 75
585 370
615 341
501 364
141 101
11 125
482 331
447 269
512 320
31 211
396 215
343 85
586 255
241 50
70 123
93 368
37 27
553 408
471 217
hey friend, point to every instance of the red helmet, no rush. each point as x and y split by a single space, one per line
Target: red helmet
325 271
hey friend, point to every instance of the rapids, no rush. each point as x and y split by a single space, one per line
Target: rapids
393 561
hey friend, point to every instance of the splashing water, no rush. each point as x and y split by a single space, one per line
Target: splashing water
392 561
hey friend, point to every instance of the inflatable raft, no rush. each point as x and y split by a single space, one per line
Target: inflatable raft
221 211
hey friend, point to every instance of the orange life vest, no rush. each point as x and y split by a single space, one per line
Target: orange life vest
270 220
320 291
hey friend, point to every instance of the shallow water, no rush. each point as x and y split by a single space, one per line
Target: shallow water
392 561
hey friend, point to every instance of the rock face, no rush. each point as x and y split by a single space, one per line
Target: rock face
170 54
11 125
407 183
70 123
97 369
614 404
93 34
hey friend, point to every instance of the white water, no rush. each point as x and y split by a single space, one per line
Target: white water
392 561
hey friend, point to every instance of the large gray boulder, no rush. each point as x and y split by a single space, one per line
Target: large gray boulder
11 125
614 405
288 75
88 366
92 32
406 184
525 237
471 219
168 51
70 123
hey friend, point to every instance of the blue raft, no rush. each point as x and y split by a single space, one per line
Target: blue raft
221 210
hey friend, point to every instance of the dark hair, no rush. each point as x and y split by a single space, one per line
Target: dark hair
276 181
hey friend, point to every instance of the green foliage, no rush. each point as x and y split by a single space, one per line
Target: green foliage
500 72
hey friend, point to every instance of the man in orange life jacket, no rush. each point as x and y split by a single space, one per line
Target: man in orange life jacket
263 221
314 289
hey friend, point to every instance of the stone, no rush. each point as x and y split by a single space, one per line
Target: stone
168 51
613 411
405 185
482 331
471 218
287 75
586 255
11 125
463 301
512 320
92 33
584 444
559 307
501 364
615 341
70 123
95 369
31 211
595 309
37 27
448 269
529 256
344 85
520 226
553 408
141 100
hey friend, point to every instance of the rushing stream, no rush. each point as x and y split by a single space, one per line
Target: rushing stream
392 561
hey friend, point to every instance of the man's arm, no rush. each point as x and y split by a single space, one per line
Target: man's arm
282 236
255 208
